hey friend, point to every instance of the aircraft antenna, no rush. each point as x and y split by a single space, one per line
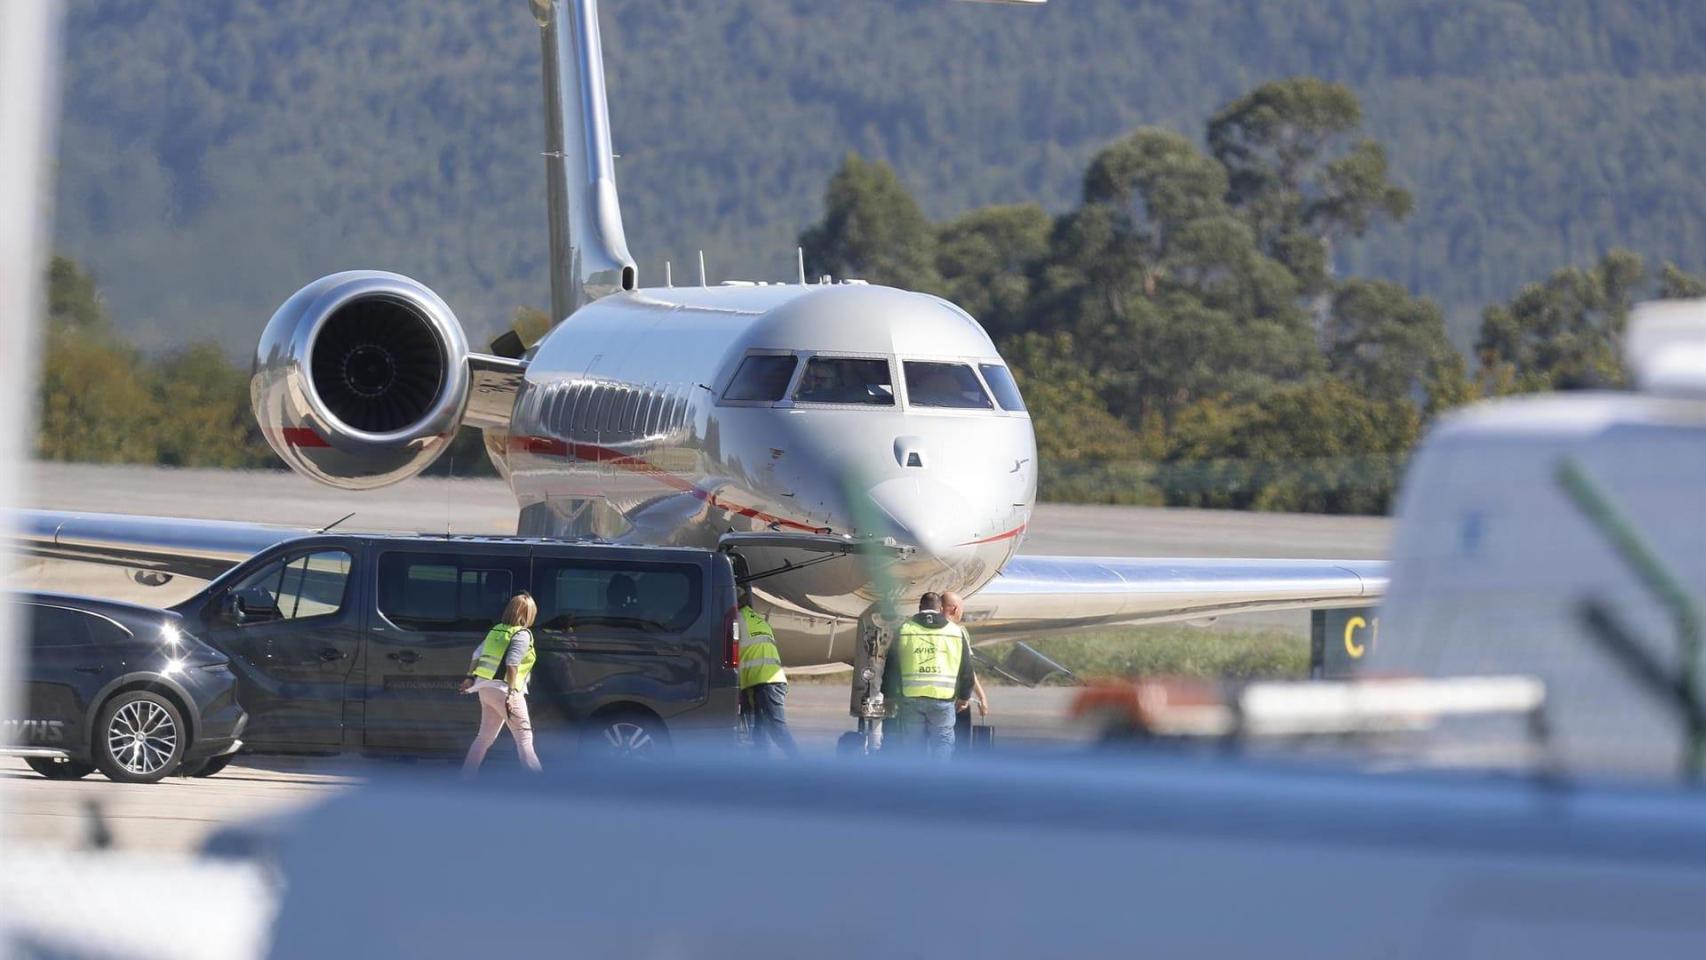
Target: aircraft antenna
668 277
800 260
702 282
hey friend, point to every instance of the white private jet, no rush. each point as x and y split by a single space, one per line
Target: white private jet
854 443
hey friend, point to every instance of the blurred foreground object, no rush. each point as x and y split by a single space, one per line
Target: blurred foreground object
29 61
1128 854
1521 517
1175 707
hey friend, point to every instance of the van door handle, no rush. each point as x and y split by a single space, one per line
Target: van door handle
92 668
404 656
330 654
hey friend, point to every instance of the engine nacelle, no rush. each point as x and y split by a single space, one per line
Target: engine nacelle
360 379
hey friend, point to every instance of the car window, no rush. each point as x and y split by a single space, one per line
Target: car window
763 378
447 592
306 585
944 385
660 597
845 380
1000 381
57 627
51 626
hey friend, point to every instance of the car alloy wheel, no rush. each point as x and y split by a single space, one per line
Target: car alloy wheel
627 736
142 737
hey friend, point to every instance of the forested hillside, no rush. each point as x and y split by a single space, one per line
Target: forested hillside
216 154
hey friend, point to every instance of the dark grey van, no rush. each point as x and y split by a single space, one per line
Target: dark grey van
359 643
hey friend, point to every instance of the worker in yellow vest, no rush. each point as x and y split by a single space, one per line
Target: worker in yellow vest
498 674
763 682
929 670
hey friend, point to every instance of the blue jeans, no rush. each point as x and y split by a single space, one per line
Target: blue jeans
930 721
769 717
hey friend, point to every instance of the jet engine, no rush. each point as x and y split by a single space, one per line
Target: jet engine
361 379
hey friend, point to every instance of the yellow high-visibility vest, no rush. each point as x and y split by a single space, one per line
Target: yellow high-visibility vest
760 661
929 659
491 663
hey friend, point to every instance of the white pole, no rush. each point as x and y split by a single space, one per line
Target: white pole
29 61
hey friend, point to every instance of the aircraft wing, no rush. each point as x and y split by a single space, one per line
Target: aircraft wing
1039 595
66 551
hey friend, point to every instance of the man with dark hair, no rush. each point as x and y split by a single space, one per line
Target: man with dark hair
929 669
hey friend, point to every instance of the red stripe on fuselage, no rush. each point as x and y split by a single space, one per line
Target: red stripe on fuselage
1000 536
592 453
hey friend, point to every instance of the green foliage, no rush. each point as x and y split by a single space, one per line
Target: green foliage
204 418
1297 175
1175 650
1385 342
1319 447
102 402
872 229
1564 333
991 255
1676 284
1084 453
216 156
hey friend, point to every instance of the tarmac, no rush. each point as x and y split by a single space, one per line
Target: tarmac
178 814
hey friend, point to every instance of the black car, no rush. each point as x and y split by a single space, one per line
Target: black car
122 688
358 643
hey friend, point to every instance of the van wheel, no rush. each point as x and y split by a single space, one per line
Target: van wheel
139 738
632 736
54 769
204 768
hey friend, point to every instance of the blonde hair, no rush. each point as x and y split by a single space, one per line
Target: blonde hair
520 611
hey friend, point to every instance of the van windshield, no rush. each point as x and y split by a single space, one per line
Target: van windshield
846 380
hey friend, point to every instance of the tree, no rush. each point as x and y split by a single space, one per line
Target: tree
872 229
1299 175
1677 284
1319 447
95 405
207 421
1084 453
987 258
1385 342
1565 333
1164 289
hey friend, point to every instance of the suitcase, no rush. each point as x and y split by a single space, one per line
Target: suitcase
982 738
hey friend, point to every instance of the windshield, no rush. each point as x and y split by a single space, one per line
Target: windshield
846 380
1001 383
944 385
763 377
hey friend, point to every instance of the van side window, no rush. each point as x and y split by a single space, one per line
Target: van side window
306 585
447 592
655 597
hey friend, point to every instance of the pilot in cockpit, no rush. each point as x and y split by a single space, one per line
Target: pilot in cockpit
821 384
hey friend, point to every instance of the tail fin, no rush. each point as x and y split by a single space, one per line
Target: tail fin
589 251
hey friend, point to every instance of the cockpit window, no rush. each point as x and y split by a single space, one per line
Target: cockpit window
944 385
844 380
762 378
1006 391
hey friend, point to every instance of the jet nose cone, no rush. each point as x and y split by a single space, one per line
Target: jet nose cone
924 513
